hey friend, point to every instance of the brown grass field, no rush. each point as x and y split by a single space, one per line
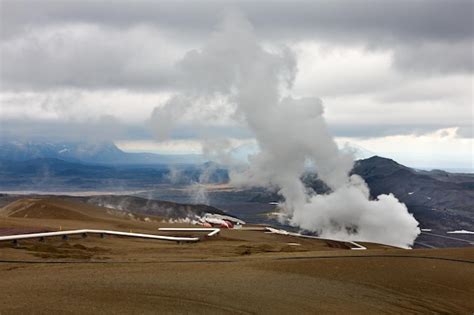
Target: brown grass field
239 271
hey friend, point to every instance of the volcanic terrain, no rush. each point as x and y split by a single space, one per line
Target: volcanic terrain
238 271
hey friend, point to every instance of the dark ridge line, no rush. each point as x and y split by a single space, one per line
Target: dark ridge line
6 261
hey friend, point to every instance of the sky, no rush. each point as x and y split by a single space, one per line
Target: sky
394 77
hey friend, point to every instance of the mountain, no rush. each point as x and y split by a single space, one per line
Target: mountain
90 208
51 174
54 208
434 189
94 153
439 200
138 205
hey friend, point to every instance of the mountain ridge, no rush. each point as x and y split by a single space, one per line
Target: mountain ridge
92 153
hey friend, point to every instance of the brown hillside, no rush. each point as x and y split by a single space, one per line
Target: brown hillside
53 208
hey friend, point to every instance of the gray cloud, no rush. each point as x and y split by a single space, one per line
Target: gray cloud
84 56
53 46
403 19
109 128
465 132
119 48
105 128
436 57
382 130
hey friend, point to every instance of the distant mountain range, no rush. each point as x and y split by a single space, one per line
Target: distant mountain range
438 199
50 174
93 153
109 154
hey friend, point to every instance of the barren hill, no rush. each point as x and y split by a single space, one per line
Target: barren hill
43 209
51 213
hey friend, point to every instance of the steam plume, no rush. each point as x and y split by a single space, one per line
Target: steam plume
290 132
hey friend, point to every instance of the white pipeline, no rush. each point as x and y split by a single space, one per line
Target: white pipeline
283 232
104 232
212 231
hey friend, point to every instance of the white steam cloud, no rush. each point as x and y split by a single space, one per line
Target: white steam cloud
256 82
199 194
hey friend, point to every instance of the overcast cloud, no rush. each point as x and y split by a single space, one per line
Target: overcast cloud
381 68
